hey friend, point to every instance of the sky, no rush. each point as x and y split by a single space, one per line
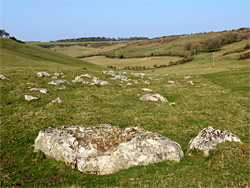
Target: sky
47 20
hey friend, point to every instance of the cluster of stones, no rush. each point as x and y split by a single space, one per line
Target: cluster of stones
105 149
45 91
121 76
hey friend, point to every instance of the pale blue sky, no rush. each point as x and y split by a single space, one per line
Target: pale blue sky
45 20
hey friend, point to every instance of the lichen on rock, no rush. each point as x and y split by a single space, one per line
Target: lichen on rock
209 137
105 149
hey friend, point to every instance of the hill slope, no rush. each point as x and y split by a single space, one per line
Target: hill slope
14 54
183 45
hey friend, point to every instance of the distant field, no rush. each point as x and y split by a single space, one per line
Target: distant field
79 50
203 62
173 44
149 62
76 43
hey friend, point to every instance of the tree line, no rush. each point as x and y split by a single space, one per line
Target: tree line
3 33
91 39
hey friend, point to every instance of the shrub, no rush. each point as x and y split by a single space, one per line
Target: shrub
171 62
247 46
188 46
229 38
212 44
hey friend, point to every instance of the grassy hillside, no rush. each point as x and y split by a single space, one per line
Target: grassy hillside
225 59
88 49
203 62
218 98
17 55
178 44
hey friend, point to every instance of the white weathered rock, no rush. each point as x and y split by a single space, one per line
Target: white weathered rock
86 75
153 97
41 90
2 77
57 100
121 77
58 82
42 74
190 82
187 77
98 81
172 104
79 79
171 82
29 83
58 74
139 74
62 87
146 89
208 138
105 149
111 72
129 84
29 98
146 82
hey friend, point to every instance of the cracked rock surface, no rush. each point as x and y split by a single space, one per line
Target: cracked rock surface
209 137
105 149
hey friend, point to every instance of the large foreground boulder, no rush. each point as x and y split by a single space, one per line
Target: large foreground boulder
105 149
208 138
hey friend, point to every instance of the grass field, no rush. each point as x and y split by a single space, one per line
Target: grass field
79 50
149 62
222 103
74 43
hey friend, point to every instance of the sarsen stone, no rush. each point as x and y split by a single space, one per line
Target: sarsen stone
105 149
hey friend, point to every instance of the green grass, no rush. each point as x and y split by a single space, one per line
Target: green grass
17 55
78 50
222 103
121 63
